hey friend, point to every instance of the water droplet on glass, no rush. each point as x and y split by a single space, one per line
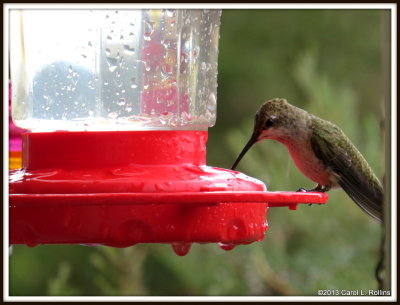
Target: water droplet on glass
121 37
164 74
169 13
212 103
186 47
121 101
108 52
113 115
112 64
186 116
91 85
112 68
181 249
148 30
90 44
128 50
109 37
129 109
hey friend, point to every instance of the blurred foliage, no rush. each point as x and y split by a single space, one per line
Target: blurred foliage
329 62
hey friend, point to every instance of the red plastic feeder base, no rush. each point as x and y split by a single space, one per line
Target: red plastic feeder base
128 187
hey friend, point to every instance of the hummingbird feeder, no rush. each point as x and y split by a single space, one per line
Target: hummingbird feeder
117 105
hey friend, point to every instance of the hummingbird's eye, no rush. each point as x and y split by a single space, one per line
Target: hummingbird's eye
269 123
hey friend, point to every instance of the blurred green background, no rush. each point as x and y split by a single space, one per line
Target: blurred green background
329 62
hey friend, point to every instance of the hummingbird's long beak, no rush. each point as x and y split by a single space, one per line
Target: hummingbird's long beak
249 144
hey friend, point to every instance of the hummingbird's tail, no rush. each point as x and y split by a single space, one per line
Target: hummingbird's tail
369 199
360 183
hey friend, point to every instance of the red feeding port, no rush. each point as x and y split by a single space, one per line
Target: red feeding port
127 187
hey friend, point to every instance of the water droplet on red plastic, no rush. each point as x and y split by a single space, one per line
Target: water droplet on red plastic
236 230
181 249
226 247
265 226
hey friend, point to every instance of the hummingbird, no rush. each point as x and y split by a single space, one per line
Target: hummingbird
321 151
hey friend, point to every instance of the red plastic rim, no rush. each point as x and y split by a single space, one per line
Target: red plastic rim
123 188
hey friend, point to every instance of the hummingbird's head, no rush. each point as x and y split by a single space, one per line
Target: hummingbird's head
275 119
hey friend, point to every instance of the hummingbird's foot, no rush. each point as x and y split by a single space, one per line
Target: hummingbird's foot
319 188
302 189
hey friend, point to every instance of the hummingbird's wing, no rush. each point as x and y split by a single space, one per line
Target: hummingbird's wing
354 174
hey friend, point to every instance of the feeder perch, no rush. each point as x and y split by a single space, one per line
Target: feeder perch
117 117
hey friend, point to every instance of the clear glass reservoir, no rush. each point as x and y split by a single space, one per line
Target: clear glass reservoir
94 70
